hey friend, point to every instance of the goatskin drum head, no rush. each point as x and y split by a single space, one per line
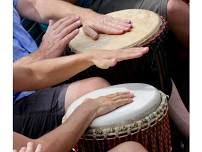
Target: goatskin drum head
146 100
145 25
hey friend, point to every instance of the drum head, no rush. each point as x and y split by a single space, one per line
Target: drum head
147 99
145 25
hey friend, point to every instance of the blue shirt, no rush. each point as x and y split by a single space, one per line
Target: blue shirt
23 45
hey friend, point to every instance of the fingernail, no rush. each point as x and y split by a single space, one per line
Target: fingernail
147 48
78 22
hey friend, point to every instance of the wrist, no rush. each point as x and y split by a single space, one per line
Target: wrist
91 107
88 57
86 13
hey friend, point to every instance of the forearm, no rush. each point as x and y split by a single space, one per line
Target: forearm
46 73
43 10
47 9
35 56
63 138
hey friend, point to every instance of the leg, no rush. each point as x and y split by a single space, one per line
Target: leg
129 146
178 20
178 112
79 88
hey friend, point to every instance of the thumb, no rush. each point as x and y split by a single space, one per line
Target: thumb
90 32
107 63
50 22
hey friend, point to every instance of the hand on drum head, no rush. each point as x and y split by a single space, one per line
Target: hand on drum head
108 58
108 103
59 34
94 23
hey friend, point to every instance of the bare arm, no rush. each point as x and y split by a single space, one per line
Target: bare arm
43 10
64 137
46 73
94 23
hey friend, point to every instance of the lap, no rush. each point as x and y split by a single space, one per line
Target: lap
40 112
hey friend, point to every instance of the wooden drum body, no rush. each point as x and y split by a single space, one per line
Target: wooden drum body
145 120
149 29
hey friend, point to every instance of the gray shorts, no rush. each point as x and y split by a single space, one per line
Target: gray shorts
106 6
41 112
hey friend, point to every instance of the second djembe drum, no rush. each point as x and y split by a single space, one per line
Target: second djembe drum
145 120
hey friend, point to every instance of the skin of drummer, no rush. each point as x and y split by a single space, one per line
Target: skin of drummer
30 75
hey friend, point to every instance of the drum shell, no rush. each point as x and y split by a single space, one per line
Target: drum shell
153 132
154 139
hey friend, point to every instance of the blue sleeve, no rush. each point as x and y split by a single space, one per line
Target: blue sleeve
14 3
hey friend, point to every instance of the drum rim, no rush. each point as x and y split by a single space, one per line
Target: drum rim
131 128
153 38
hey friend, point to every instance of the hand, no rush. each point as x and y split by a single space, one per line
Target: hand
105 58
30 148
108 103
59 34
94 23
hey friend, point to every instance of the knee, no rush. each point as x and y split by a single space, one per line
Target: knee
134 146
89 84
131 146
100 82
96 83
173 7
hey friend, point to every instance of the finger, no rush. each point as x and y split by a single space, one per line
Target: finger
107 63
23 149
123 96
118 23
118 26
117 94
60 21
38 148
122 102
70 36
90 32
124 22
119 103
68 23
104 28
30 147
67 30
127 54
14 150
51 22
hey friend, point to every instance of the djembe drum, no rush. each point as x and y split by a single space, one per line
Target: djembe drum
145 120
149 29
